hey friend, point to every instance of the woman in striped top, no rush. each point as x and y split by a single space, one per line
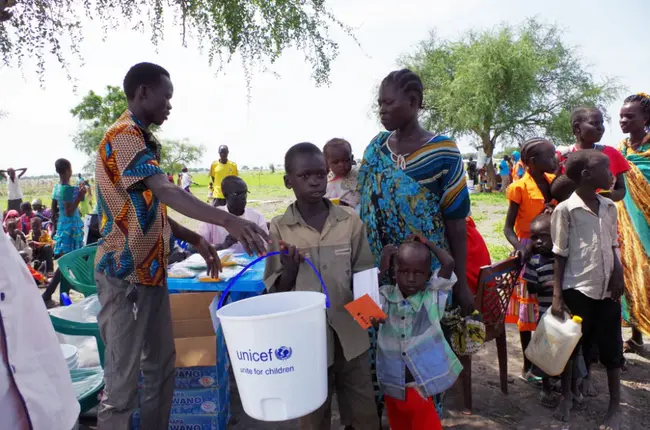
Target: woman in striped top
412 181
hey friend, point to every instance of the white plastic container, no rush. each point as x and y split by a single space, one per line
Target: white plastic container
278 351
553 342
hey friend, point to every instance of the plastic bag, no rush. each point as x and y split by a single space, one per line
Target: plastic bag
84 311
87 353
178 271
239 259
194 262
227 273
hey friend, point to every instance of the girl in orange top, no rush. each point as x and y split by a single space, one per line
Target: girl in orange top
528 197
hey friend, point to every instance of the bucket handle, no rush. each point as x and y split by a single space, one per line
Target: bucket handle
257 260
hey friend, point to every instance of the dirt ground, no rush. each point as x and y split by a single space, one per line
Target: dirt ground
520 409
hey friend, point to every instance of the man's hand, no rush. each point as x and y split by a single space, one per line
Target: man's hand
559 308
616 282
250 235
209 254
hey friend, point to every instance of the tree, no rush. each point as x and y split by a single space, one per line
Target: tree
506 84
272 168
255 29
177 154
97 113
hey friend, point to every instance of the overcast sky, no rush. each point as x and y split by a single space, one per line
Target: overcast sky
213 109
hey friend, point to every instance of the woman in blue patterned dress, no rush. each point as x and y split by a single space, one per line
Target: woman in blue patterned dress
413 181
68 226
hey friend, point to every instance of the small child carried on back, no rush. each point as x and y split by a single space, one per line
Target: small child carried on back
414 361
342 174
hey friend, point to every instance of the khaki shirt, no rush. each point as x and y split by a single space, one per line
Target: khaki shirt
586 240
338 252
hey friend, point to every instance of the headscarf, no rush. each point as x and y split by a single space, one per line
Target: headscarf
516 156
10 214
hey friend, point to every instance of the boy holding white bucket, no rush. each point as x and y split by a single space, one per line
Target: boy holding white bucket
333 238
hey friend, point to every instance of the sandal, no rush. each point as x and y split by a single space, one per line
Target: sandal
630 346
531 379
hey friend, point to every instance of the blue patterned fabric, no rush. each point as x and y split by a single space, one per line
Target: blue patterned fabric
396 203
69 229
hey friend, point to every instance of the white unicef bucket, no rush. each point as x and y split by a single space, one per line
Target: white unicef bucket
277 345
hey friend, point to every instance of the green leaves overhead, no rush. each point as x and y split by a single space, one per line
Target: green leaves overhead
256 29
507 83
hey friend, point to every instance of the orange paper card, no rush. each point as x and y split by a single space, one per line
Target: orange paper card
362 309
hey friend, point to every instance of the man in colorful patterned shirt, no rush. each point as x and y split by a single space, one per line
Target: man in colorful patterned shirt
131 263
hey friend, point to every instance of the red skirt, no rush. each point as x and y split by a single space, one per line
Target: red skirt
477 255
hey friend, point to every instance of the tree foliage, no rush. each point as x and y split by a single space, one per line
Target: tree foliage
97 113
256 29
506 84
177 154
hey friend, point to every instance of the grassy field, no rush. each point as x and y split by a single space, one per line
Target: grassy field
269 196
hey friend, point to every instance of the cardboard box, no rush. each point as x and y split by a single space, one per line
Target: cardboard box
196 343
202 396
201 401
201 356
191 422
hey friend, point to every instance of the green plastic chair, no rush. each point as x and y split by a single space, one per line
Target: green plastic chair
88 382
78 271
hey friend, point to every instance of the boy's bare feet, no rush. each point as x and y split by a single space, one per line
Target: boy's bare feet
588 387
563 411
548 399
612 420
578 401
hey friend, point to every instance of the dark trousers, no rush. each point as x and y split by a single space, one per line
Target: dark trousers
601 326
132 344
45 254
14 205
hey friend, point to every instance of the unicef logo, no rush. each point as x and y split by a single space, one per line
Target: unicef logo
283 353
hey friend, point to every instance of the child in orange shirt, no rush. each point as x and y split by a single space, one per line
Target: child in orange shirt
528 197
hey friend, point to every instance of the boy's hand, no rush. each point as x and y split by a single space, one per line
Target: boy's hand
559 308
376 322
387 255
443 256
523 252
291 258
616 282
